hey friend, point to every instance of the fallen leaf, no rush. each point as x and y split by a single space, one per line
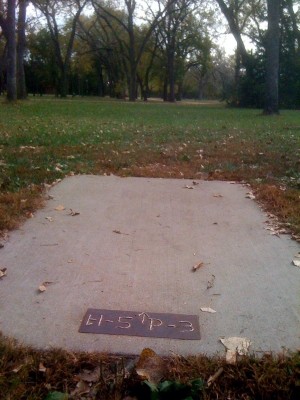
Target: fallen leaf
3 272
218 195
250 196
208 309
59 208
210 283
150 366
197 266
50 219
81 388
43 286
42 367
74 213
195 183
18 368
296 260
188 187
119 232
90 376
235 346
214 377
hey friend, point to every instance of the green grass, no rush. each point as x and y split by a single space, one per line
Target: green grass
44 139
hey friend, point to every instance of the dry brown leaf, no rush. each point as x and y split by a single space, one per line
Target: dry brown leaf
250 196
218 195
296 260
188 187
81 388
197 266
210 283
74 213
214 377
60 208
3 272
235 346
42 367
208 309
90 376
50 219
42 288
150 366
120 233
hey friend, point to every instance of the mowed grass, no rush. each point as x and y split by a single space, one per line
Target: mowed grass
44 139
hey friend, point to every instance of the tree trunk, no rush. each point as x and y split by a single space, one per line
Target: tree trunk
132 55
21 84
272 59
11 51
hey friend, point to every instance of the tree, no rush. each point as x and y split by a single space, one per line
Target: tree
8 26
133 49
21 83
272 58
53 10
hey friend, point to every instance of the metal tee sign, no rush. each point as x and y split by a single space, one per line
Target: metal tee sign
130 323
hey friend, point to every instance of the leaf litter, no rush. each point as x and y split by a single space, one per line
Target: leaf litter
43 286
208 310
296 260
235 346
3 272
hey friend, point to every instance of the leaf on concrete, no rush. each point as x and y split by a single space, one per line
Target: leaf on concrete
250 196
50 219
42 288
208 309
235 346
210 283
188 187
197 266
218 195
3 272
195 183
60 208
296 260
73 213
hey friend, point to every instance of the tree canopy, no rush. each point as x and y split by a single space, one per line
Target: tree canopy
166 48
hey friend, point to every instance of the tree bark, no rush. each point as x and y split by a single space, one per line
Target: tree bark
272 59
21 83
11 51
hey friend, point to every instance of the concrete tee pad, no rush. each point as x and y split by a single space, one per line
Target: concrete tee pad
132 247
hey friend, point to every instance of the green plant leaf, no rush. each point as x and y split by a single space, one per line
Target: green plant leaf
57 396
197 385
153 390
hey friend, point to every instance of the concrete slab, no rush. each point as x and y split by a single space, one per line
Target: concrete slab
165 229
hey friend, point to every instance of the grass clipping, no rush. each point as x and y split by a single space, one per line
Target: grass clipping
26 373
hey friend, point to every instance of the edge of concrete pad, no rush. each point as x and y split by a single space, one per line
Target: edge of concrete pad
192 233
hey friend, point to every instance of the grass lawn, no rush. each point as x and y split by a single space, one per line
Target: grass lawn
45 139
42 140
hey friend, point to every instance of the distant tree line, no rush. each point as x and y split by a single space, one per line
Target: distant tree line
166 48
